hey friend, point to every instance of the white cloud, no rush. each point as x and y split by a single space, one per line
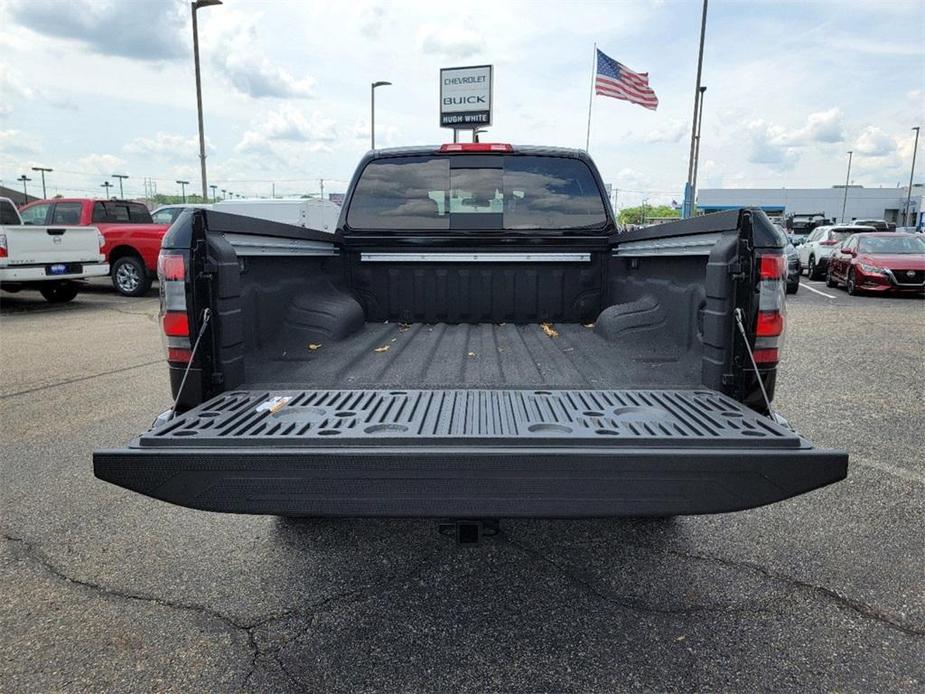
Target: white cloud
824 126
874 142
139 29
288 124
232 41
453 42
671 133
372 21
12 85
256 76
765 146
18 142
101 164
165 145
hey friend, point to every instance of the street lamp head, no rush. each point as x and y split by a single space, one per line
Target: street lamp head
703 89
381 84
199 4
42 168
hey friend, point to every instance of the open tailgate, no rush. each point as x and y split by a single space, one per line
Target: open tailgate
470 454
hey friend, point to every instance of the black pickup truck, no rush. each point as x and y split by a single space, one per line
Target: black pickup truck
477 340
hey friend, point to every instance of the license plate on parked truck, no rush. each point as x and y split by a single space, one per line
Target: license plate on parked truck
62 269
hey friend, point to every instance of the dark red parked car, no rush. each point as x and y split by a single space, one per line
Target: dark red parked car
879 262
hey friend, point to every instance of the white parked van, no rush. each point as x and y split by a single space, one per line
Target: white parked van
312 213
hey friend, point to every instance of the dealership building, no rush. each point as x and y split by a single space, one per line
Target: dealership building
862 203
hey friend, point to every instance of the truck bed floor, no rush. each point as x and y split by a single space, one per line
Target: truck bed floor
475 356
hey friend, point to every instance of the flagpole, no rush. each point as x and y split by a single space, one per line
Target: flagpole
591 97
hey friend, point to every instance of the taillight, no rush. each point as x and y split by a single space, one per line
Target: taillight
828 243
476 147
3 250
769 323
171 275
100 239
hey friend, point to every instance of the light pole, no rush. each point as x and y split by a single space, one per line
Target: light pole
915 148
372 111
847 177
697 153
183 185
121 178
475 133
43 171
213 192
107 185
697 93
24 191
224 193
198 4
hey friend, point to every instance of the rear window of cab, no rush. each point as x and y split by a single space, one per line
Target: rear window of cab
510 192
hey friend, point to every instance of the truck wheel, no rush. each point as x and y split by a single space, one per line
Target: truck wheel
129 276
830 281
59 293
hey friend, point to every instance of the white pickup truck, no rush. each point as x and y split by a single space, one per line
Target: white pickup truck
47 258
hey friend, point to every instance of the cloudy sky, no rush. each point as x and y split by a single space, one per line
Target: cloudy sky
96 87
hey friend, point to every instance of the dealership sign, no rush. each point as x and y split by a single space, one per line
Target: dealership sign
465 97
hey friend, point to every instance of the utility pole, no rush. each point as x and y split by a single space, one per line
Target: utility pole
43 171
213 192
847 177
121 178
24 191
915 148
107 185
198 4
321 182
372 111
697 154
183 185
697 92
224 193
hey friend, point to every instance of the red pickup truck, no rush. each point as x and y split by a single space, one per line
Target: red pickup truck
132 239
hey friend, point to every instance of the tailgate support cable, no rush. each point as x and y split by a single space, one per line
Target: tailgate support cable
751 356
206 315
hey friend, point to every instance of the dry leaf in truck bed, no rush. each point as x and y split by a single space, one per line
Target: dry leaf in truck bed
402 327
589 325
471 354
549 330
313 347
384 348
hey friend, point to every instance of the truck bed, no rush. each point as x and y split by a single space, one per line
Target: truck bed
507 355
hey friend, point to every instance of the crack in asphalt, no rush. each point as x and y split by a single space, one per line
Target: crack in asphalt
865 610
627 604
40 558
367 591
79 379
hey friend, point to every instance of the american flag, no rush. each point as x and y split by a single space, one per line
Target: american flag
618 81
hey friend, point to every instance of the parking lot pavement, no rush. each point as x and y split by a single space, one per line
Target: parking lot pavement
104 589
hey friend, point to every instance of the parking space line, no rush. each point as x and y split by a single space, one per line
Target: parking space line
827 296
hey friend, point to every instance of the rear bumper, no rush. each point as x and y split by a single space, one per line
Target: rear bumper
36 273
471 481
